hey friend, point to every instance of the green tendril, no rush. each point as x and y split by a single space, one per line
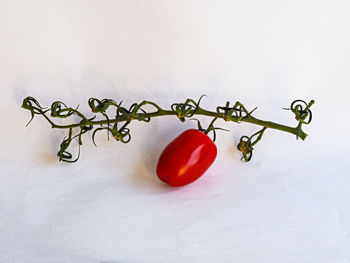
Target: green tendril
63 154
246 144
302 114
100 106
187 109
60 110
236 113
33 106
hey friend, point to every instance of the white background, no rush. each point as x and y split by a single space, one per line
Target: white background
291 203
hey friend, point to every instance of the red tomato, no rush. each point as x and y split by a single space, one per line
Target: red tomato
186 158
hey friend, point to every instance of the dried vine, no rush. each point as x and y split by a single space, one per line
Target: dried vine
118 126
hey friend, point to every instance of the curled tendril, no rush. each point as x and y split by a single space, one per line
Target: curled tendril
63 154
84 129
66 156
99 129
145 102
60 110
246 144
238 112
135 112
122 134
33 106
101 106
187 109
301 110
210 128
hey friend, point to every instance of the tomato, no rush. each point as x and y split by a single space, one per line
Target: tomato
186 158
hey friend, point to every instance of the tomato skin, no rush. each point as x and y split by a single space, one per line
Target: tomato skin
186 158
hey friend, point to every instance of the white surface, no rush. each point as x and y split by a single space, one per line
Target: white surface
289 204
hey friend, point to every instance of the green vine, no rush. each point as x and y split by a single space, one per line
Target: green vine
118 126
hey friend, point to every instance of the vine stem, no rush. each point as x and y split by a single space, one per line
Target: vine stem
236 113
199 111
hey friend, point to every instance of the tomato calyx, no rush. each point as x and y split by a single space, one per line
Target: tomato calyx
210 128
